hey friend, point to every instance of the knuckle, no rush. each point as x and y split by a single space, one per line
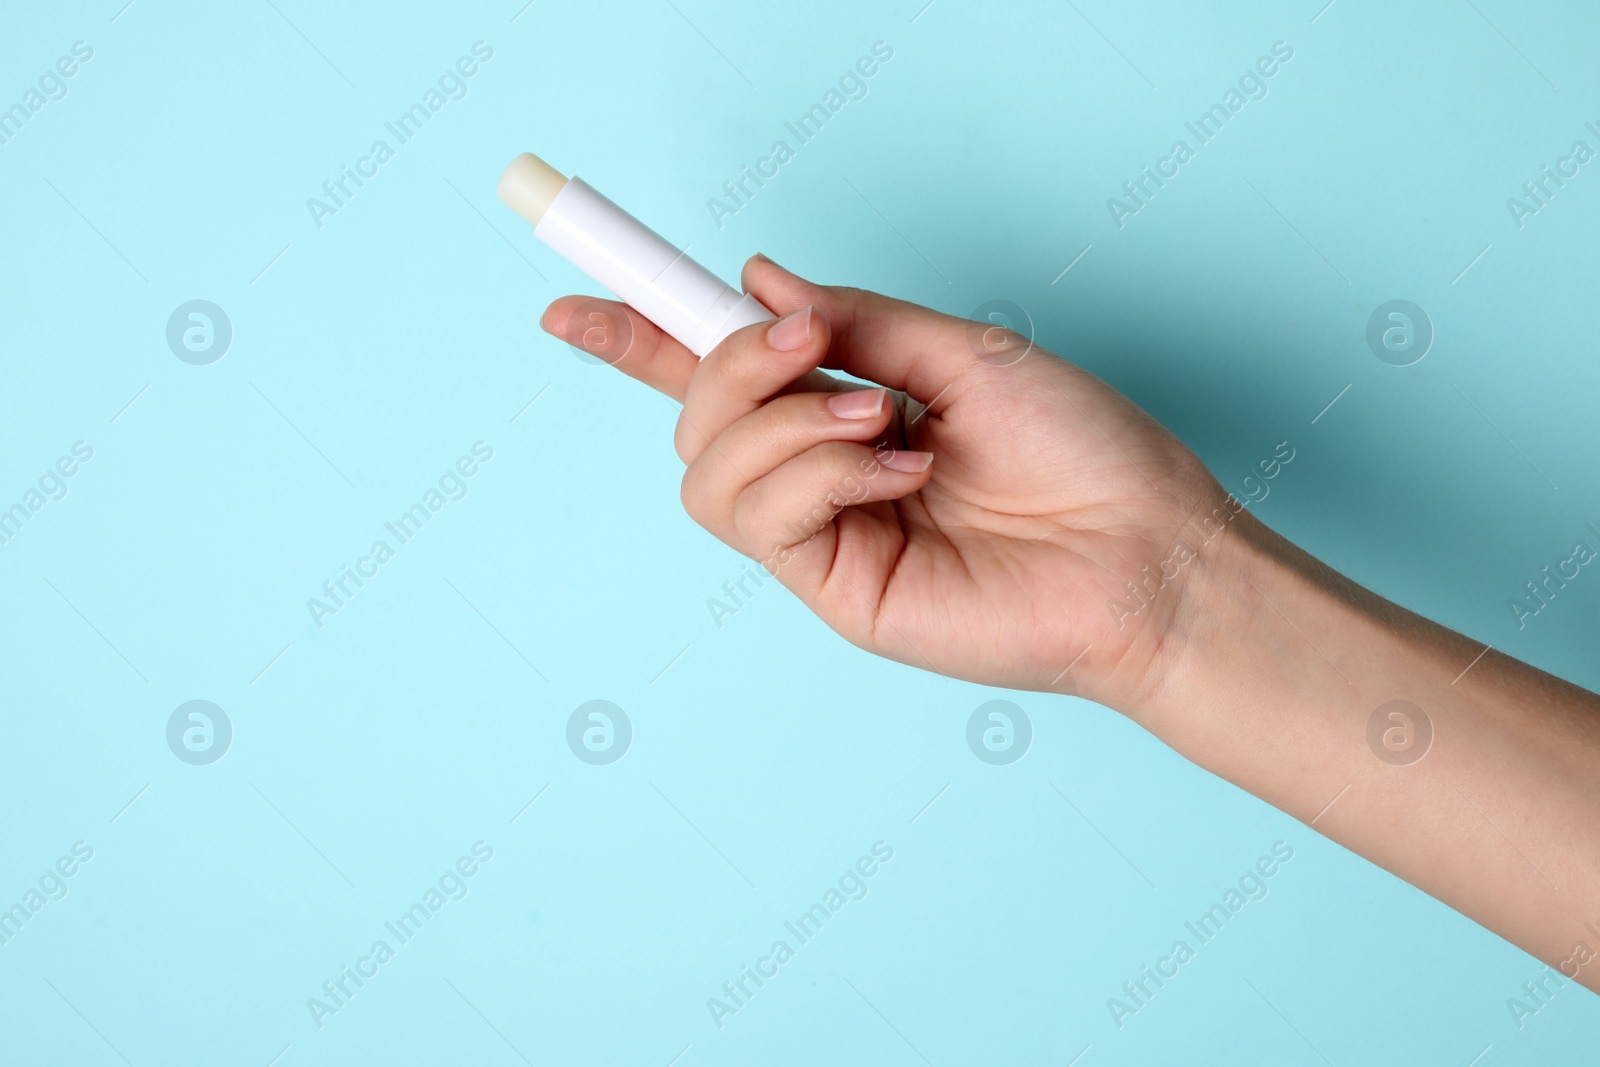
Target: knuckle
846 473
746 512
686 440
757 518
692 491
737 358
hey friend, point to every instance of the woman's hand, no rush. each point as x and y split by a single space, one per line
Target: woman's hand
998 515
1001 516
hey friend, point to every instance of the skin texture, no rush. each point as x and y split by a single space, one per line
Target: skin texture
1001 516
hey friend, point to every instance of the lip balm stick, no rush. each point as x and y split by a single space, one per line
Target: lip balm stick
641 267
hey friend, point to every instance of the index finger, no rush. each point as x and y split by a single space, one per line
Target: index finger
895 343
623 338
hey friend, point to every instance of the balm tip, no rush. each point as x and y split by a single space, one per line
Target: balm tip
528 186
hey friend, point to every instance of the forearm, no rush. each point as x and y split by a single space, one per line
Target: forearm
1270 677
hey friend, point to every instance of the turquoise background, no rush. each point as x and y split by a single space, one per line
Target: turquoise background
371 352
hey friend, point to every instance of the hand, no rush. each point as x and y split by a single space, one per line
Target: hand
984 519
981 520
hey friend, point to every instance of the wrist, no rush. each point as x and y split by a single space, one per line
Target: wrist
1258 628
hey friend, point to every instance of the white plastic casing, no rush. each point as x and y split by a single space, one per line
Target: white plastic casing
644 270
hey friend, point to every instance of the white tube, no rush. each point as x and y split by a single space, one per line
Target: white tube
642 268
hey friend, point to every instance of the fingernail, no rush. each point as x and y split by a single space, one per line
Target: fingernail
858 403
907 462
791 331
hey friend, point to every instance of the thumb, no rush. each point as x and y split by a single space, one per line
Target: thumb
904 346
